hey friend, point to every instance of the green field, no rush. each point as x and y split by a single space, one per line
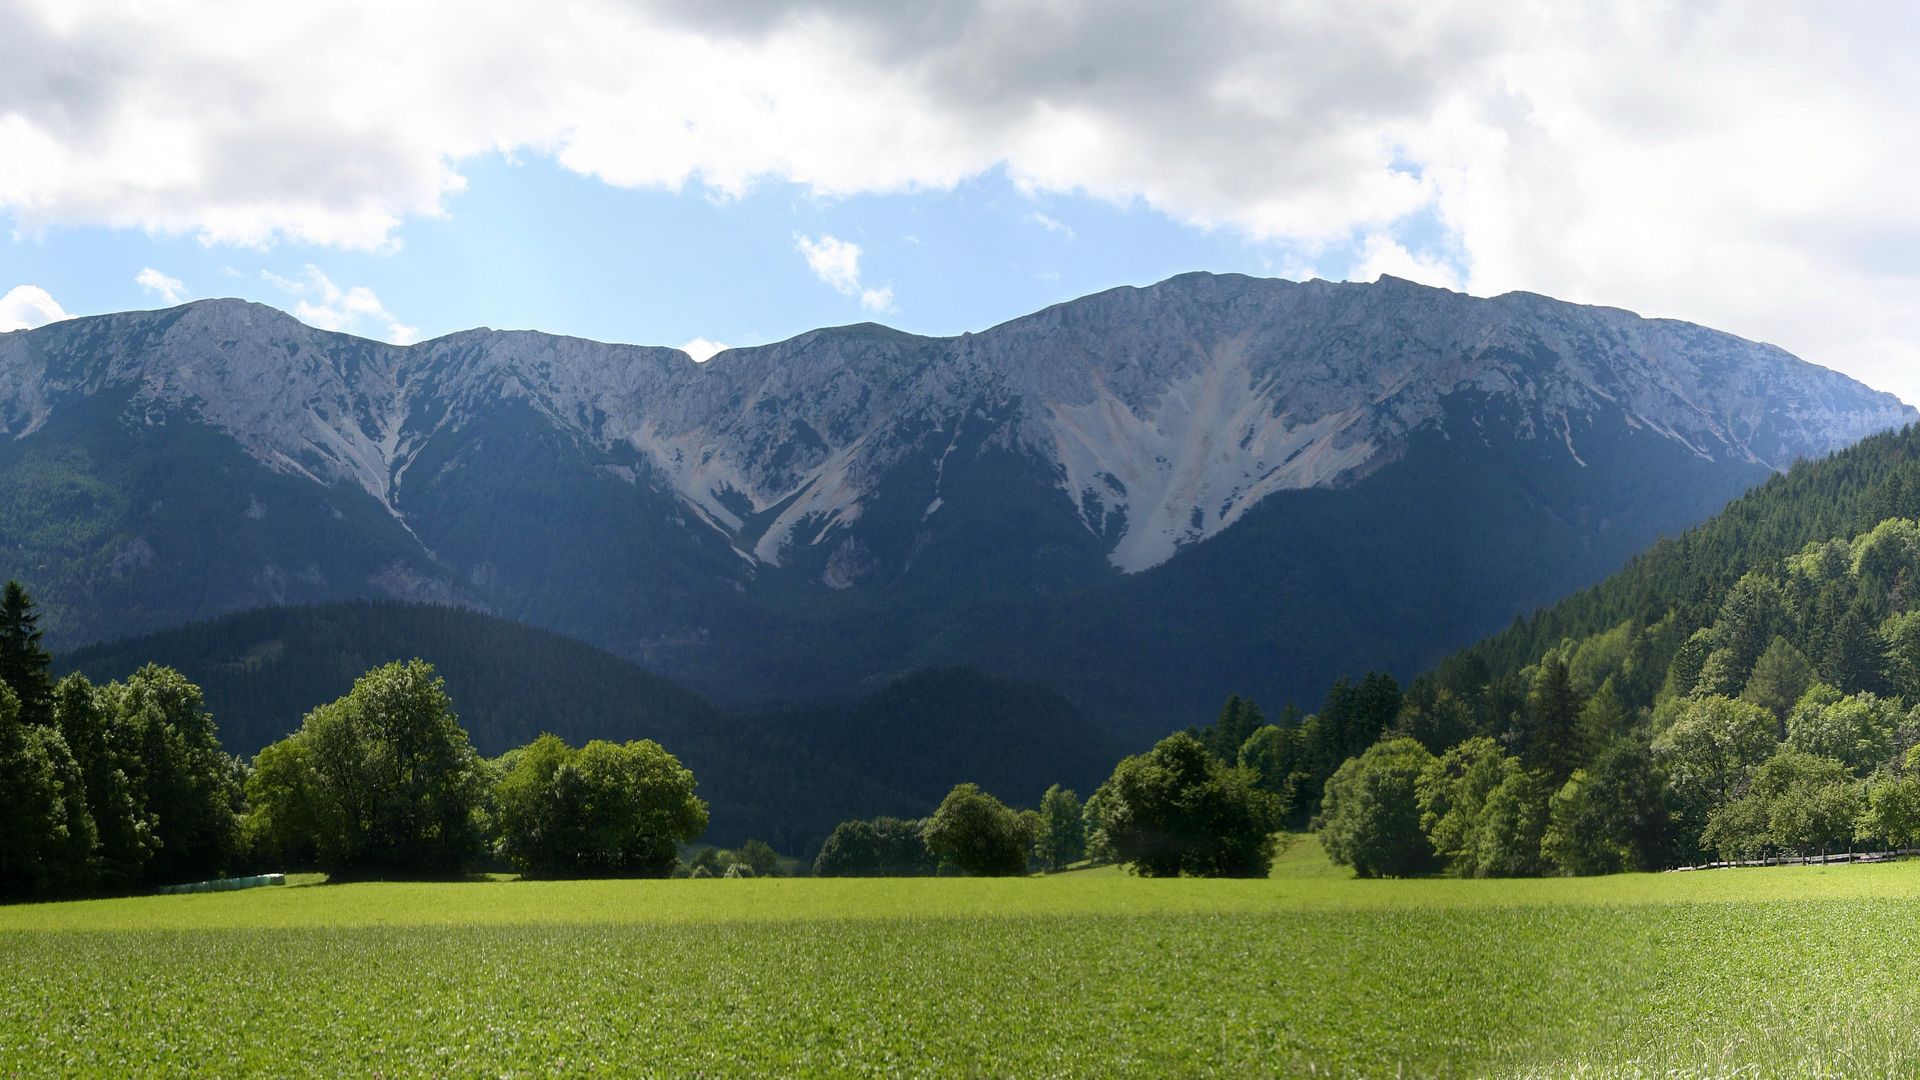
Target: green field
1784 971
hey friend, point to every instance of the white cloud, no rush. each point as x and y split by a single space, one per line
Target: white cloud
1744 165
837 263
832 260
27 306
703 350
356 310
1382 255
170 290
1050 224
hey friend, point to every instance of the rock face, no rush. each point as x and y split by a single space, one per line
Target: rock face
814 514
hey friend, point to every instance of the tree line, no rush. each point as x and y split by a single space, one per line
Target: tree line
1179 808
1782 719
125 786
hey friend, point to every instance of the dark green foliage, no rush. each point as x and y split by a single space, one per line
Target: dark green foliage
1353 717
1435 716
1176 809
1856 730
394 786
1371 819
604 810
46 833
1900 642
883 847
261 671
290 809
1274 757
1238 720
24 665
1061 836
1796 802
125 786
1603 719
189 785
925 732
1844 495
1514 826
785 774
1754 613
1854 658
1890 811
978 834
106 754
1610 816
1550 741
759 856
1717 635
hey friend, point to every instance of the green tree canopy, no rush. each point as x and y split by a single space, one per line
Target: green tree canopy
1611 816
1780 678
1176 809
979 834
883 847
604 810
1239 718
46 833
1062 834
387 780
760 857
1481 811
1708 754
107 752
191 788
1855 729
1372 812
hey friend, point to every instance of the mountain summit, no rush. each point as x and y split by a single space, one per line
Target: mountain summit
1238 471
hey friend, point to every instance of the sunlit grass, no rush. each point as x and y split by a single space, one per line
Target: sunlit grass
1789 971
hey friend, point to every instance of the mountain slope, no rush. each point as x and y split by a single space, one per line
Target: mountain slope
785 775
1841 496
1145 496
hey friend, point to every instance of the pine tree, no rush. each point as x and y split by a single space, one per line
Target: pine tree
1551 743
1239 719
24 666
1855 660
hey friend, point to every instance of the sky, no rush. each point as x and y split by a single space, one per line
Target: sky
705 174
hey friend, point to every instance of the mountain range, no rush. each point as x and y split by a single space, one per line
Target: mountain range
1144 498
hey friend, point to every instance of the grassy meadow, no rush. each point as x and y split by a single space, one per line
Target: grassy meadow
1784 971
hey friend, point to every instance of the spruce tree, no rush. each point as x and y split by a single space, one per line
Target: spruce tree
1551 742
24 666
1239 719
1855 659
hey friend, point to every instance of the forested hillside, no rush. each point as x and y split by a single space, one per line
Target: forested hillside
1748 689
1841 495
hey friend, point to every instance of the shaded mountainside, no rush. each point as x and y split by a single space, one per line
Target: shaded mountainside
1840 496
786 775
1140 497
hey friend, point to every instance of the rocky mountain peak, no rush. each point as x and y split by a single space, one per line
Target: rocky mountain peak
1165 413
